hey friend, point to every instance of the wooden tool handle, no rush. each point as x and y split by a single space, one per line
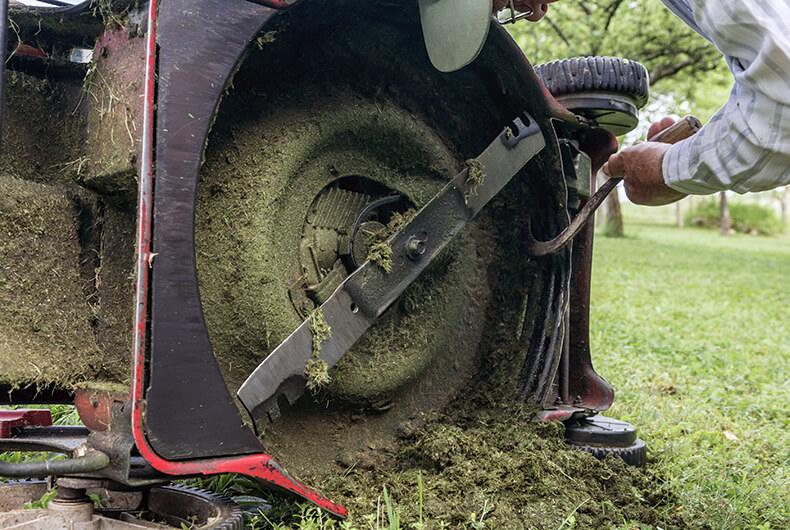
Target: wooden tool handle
680 130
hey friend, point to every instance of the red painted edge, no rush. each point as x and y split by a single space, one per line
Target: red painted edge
562 413
11 419
277 4
260 466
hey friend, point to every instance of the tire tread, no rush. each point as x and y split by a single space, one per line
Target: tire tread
596 74
634 454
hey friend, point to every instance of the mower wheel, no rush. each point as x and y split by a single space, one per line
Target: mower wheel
606 90
633 455
601 436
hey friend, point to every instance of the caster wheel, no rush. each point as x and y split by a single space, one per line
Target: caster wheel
609 91
601 436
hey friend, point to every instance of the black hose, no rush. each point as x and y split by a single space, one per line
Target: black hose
94 461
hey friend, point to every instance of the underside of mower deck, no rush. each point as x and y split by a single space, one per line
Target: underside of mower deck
246 229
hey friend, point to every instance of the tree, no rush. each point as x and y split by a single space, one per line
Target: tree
724 216
783 196
642 30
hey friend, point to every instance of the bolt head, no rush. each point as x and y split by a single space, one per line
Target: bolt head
415 247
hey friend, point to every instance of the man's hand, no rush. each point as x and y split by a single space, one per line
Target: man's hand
640 166
539 8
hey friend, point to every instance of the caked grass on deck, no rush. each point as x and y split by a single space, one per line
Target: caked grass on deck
693 331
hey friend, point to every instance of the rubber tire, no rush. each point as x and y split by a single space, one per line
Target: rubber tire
633 455
580 75
186 500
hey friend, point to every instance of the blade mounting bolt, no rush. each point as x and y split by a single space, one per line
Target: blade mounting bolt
415 248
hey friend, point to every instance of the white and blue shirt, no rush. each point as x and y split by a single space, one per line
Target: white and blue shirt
746 145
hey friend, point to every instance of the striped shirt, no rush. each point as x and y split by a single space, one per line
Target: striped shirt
746 145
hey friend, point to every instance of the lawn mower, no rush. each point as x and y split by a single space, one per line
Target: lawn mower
241 228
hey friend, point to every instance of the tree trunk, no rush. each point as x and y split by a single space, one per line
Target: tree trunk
614 216
783 204
678 214
724 215
600 219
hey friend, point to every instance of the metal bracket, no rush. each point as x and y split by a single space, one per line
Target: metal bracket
514 15
184 421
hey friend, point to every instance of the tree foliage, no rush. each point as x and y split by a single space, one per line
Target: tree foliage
642 30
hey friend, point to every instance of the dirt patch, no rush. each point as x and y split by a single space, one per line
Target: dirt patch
495 469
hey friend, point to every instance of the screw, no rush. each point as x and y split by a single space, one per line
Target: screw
415 248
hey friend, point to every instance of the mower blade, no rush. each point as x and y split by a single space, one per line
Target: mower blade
369 291
282 373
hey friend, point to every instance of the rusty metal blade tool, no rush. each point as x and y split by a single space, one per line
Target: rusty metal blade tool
681 130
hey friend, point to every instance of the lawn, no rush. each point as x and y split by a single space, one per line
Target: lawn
693 330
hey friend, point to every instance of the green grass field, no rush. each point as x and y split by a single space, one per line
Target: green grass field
693 330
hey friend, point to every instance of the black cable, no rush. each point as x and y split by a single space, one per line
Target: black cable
553 353
536 351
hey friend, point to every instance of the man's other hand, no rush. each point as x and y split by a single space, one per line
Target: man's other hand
539 8
640 167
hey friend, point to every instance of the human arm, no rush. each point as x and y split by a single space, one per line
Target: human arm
746 146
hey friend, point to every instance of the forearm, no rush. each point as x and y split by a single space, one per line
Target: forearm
745 147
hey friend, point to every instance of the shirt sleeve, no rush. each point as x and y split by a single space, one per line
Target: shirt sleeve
683 10
746 146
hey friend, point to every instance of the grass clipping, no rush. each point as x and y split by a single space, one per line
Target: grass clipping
497 469
474 179
317 371
46 335
379 248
